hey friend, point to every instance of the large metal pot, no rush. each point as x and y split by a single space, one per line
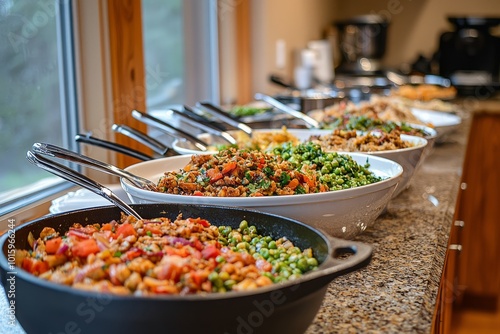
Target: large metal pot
305 100
363 37
44 307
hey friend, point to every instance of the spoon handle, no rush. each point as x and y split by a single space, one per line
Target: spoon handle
81 180
159 124
204 126
87 139
224 116
142 138
62 153
311 122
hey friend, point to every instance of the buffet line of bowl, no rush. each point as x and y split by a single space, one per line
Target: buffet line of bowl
299 189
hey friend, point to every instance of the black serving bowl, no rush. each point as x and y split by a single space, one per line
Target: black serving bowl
46 307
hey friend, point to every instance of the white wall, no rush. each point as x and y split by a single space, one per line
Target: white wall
294 21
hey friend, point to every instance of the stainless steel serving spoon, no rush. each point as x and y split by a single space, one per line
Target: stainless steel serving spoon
62 153
225 117
169 129
310 122
88 139
81 180
204 126
157 146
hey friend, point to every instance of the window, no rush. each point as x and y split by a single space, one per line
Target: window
38 100
180 51
32 105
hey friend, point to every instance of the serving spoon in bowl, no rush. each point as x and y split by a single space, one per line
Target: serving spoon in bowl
310 122
81 180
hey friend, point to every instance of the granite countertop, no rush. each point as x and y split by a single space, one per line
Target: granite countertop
396 292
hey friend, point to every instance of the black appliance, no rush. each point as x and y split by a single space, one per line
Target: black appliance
362 42
470 55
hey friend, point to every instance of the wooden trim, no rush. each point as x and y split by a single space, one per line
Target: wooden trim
243 52
127 69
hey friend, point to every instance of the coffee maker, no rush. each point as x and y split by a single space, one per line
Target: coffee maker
470 55
362 43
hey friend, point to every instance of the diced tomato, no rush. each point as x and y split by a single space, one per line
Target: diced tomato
228 167
202 222
182 252
197 244
85 247
197 278
170 271
197 193
308 180
133 253
262 162
107 227
125 230
152 229
34 266
214 174
52 245
210 252
293 184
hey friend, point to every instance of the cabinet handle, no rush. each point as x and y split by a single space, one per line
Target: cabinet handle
455 247
459 223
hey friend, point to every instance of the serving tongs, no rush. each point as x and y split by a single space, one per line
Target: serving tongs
310 122
224 116
169 129
62 153
89 139
157 146
79 179
203 125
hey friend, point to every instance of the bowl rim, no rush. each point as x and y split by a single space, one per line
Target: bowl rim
262 201
327 267
178 146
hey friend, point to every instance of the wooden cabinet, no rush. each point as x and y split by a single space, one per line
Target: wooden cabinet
473 254
479 208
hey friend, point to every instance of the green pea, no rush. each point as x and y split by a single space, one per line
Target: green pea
302 264
224 275
312 262
242 245
264 252
243 224
228 284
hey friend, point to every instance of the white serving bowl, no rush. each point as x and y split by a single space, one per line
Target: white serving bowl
431 138
185 147
443 122
342 213
409 158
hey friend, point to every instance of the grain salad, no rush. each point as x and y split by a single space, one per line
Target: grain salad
161 256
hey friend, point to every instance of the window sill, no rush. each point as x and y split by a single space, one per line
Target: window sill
27 208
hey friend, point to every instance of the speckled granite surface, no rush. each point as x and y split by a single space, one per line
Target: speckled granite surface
396 292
